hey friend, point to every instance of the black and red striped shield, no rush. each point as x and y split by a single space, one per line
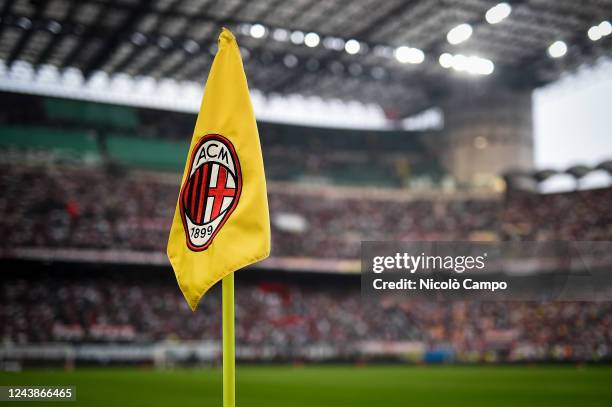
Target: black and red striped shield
211 190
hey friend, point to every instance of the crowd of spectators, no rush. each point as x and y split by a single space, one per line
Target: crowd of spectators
336 226
53 206
94 208
582 215
48 207
290 316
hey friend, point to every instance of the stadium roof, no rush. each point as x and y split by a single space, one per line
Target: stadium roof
384 52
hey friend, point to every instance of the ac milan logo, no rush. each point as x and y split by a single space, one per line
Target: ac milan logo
211 190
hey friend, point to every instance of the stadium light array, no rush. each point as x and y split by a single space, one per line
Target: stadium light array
54 27
24 23
409 55
164 42
471 64
446 60
183 96
352 47
335 43
138 39
498 13
311 40
596 32
257 31
557 49
290 61
280 35
191 46
459 34
297 37
403 54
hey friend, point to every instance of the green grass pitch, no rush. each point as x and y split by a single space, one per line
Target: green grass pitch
333 386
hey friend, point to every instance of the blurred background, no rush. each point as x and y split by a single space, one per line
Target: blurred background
396 120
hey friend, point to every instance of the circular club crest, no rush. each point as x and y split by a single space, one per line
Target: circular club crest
211 190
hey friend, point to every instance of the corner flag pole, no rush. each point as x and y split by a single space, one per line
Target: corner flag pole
229 343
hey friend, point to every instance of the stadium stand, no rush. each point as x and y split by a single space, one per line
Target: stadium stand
279 319
98 208
123 200
580 215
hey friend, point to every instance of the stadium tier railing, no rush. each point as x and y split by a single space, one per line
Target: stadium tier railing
65 143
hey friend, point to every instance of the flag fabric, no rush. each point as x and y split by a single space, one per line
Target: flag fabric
221 221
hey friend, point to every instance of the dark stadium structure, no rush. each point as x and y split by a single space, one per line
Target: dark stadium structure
176 39
403 57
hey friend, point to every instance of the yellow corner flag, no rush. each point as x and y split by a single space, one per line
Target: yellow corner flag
221 222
